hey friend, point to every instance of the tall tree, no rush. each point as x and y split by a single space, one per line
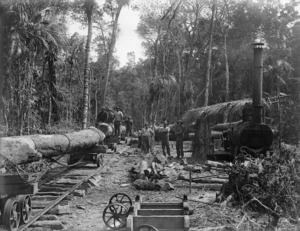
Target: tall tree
89 7
115 14
209 51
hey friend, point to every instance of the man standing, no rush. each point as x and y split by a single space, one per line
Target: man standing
118 120
147 134
179 133
129 125
164 136
101 117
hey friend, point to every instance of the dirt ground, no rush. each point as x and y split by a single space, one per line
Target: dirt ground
87 211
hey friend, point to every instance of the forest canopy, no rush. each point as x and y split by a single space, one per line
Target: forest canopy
197 53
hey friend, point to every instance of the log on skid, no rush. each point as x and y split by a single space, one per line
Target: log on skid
25 149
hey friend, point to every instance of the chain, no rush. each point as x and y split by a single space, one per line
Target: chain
21 172
71 165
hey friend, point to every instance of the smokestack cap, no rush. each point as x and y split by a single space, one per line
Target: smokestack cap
258 43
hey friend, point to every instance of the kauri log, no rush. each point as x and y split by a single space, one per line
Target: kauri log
25 149
106 128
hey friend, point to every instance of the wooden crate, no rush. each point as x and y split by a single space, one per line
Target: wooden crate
162 216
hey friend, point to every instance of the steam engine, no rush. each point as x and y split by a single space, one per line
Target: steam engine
250 135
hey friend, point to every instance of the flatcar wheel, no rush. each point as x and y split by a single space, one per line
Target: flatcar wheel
69 159
115 216
121 198
11 215
146 228
99 160
25 207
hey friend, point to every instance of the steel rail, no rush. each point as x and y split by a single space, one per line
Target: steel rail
45 210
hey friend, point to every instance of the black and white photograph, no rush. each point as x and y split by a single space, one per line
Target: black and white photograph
150 115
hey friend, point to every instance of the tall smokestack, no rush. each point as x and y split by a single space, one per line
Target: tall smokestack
257 81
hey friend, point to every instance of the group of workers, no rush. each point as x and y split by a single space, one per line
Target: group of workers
147 134
116 117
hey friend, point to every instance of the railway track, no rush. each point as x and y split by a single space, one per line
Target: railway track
55 193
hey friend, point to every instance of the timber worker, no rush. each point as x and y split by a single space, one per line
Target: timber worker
164 136
118 120
147 135
179 132
129 125
110 115
102 116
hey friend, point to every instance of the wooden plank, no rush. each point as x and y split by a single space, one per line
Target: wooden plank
159 212
21 189
172 230
49 193
51 189
160 222
159 205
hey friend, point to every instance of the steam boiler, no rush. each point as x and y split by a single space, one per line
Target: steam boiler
250 135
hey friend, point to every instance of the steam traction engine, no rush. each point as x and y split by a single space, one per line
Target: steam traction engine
250 135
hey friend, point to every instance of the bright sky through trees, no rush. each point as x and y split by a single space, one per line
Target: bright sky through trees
127 41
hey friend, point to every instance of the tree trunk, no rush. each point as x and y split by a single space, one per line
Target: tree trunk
179 81
24 149
202 141
157 108
52 83
296 65
110 52
96 102
49 109
2 75
226 68
226 76
70 91
89 14
207 79
156 54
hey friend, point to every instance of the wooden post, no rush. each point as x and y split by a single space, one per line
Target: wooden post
190 181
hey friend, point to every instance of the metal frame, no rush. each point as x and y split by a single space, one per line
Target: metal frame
152 215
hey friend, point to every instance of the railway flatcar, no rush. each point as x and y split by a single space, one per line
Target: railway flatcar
15 201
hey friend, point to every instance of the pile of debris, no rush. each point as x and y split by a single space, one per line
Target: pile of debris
155 172
267 185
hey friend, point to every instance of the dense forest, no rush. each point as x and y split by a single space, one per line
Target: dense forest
198 53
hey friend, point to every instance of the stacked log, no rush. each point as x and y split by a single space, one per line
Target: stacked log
26 149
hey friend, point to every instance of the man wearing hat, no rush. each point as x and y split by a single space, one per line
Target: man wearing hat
118 120
179 133
164 136
147 134
102 116
129 125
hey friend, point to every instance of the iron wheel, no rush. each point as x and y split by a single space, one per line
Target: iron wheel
11 215
121 198
115 216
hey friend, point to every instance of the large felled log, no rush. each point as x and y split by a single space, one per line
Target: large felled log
224 126
106 128
201 179
25 149
202 186
141 184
